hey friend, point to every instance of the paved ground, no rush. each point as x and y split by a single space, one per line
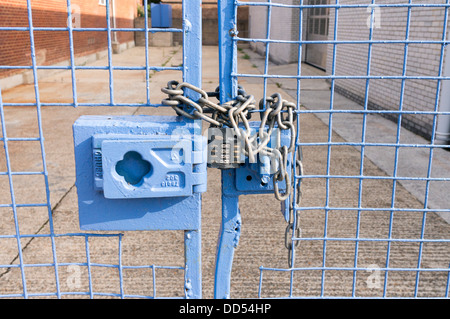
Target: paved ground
262 238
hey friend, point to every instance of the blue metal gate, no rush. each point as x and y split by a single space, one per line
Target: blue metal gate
361 219
331 250
29 274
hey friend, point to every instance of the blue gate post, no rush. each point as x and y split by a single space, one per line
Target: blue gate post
229 233
192 73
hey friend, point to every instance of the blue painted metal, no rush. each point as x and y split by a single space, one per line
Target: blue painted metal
192 73
147 173
230 231
234 181
227 15
193 263
161 15
249 178
166 163
229 75
157 202
230 208
186 218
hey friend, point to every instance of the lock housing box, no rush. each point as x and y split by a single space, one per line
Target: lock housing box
139 172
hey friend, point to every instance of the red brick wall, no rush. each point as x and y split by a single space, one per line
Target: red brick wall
53 46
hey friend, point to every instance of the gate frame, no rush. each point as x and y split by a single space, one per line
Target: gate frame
228 75
231 218
192 73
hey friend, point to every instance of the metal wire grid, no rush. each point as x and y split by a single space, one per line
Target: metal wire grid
265 77
73 67
5 139
330 266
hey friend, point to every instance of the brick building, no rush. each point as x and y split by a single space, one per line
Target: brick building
52 47
423 59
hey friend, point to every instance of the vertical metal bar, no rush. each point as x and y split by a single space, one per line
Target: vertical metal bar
41 142
13 199
266 57
448 283
433 135
192 44
291 279
192 73
330 130
397 148
260 281
147 70
192 51
228 240
110 63
299 73
230 204
298 103
363 140
154 280
120 267
88 262
72 55
193 264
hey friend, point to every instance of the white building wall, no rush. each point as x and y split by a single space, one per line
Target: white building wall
283 26
352 59
388 59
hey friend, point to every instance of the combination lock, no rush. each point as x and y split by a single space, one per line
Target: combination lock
225 149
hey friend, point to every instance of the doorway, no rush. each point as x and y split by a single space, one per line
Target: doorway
317 30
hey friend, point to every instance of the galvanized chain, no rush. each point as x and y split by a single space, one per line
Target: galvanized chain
229 114
233 112
293 229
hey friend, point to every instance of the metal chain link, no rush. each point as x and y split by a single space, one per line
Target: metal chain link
233 112
238 110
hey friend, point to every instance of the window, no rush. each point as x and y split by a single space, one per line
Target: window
102 2
318 18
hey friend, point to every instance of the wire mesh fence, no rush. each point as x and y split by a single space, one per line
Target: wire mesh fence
361 232
41 258
371 205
